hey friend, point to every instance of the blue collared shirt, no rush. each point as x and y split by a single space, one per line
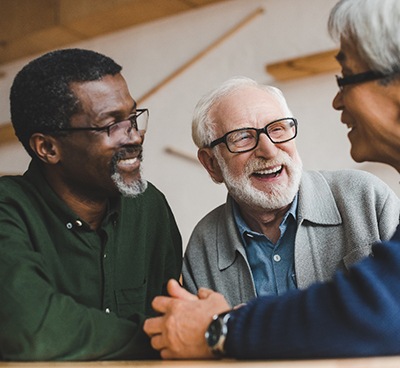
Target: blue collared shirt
272 265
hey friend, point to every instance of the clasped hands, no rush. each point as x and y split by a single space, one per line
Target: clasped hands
179 333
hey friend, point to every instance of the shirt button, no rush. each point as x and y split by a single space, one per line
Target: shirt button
78 223
108 310
105 256
277 257
69 225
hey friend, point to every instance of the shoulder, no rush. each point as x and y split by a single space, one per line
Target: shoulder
151 202
211 229
211 219
342 175
348 179
354 189
151 195
13 187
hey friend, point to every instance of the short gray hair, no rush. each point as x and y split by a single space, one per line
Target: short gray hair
203 126
372 27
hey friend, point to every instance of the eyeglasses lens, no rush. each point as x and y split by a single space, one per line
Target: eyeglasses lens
136 121
247 139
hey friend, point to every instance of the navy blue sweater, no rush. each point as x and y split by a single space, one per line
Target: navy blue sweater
356 314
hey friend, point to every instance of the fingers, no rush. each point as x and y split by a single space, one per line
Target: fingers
167 354
157 342
153 326
177 291
161 304
204 293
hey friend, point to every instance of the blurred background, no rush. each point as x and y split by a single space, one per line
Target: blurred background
173 52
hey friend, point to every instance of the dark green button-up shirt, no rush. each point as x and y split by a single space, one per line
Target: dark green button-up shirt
70 293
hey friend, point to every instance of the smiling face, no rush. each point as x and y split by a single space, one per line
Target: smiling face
266 177
94 164
371 111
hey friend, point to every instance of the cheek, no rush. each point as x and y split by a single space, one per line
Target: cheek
372 109
291 150
372 123
97 162
238 166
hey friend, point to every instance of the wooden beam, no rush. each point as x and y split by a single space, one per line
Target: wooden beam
90 18
322 62
7 134
34 26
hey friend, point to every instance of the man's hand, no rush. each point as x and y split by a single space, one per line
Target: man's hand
179 332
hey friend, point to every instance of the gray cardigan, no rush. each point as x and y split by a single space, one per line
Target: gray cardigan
340 215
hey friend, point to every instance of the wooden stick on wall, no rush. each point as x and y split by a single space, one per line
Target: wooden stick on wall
181 154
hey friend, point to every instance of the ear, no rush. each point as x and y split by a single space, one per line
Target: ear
210 163
45 147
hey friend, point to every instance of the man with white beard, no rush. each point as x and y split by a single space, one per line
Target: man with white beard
281 228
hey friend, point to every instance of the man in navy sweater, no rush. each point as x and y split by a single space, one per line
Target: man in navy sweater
357 313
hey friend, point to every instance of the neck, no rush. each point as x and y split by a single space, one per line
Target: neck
264 221
90 209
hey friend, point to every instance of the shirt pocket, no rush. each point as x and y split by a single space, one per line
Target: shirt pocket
131 301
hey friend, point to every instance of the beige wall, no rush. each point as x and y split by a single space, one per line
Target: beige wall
149 53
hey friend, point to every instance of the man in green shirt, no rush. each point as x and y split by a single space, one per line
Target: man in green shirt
85 242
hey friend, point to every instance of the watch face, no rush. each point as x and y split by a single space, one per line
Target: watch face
214 332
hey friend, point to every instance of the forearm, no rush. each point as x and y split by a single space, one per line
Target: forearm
355 315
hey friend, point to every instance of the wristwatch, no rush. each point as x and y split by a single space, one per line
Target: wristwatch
216 333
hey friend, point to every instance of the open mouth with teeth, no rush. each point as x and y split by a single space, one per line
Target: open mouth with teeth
128 165
270 173
128 161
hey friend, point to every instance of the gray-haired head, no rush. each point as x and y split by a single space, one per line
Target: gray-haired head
203 125
372 28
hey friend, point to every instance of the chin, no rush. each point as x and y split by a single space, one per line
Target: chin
129 188
359 156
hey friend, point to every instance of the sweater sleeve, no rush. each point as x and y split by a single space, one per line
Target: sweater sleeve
356 314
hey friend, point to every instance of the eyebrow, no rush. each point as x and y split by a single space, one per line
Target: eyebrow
117 113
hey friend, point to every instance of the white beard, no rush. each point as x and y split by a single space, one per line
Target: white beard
276 196
131 190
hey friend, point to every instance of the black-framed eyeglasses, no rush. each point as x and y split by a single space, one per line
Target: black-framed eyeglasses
246 139
137 121
360 78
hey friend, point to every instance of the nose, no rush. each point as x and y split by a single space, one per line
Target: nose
337 102
133 134
265 148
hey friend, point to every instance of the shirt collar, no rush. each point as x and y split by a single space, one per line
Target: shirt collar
245 229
